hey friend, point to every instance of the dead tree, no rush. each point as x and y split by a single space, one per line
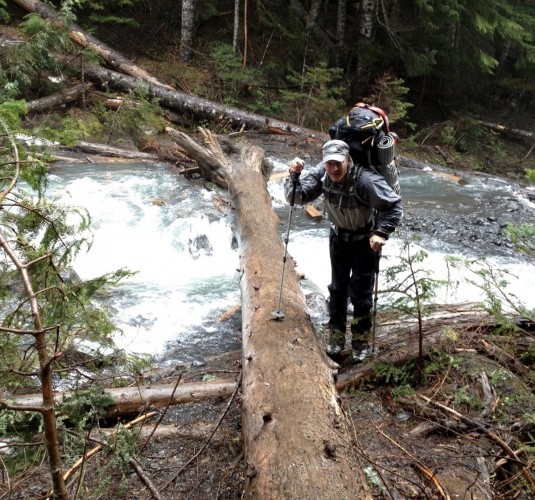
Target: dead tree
296 443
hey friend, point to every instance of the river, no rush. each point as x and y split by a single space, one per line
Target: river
178 238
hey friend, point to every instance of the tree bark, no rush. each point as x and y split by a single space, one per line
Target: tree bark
131 400
187 30
78 35
296 443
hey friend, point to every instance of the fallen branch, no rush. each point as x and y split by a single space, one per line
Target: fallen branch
99 447
499 354
480 427
419 465
524 134
145 478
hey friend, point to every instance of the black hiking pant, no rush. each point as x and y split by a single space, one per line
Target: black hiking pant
353 268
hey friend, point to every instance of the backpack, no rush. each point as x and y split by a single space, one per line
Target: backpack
366 130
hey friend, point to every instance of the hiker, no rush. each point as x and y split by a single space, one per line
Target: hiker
363 211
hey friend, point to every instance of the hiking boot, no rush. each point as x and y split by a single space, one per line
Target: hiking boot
336 344
359 341
358 356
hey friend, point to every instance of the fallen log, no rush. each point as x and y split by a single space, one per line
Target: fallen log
78 35
55 100
196 106
131 400
296 444
104 150
502 129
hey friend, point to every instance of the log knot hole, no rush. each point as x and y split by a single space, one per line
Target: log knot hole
267 417
329 449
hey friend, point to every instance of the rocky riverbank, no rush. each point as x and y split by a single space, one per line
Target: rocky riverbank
482 225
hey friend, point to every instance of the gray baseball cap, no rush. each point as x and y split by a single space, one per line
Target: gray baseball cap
335 151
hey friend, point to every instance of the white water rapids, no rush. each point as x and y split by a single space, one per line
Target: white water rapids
149 219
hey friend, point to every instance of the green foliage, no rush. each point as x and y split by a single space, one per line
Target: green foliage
23 425
464 396
316 99
44 307
530 175
390 93
493 282
523 237
440 361
528 357
133 119
232 76
85 408
410 287
120 449
25 65
4 15
389 374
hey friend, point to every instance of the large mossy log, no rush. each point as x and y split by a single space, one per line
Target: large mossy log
296 442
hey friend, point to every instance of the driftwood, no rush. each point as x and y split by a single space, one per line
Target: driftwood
296 445
130 400
78 35
55 100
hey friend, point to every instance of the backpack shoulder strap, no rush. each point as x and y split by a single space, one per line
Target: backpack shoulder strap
355 182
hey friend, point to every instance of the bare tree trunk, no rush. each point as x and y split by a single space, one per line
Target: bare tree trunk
78 35
187 29
366 18
236 25
312 17
296 444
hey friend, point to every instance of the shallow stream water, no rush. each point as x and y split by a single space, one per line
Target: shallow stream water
172 232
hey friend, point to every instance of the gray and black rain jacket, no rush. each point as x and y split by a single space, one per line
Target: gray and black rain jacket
365 204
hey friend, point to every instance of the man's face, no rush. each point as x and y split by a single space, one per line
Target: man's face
336 170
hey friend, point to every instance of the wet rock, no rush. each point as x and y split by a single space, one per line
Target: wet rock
200 244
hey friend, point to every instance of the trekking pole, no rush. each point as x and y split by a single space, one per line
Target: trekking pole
377 259
278 314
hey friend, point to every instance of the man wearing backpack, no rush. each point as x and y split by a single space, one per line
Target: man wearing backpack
363 210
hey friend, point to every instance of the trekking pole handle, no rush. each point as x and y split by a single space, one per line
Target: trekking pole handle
296 165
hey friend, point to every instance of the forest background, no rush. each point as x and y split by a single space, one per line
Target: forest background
457 80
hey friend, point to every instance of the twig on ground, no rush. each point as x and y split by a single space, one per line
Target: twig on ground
146 479
422 468
498 440
162 415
